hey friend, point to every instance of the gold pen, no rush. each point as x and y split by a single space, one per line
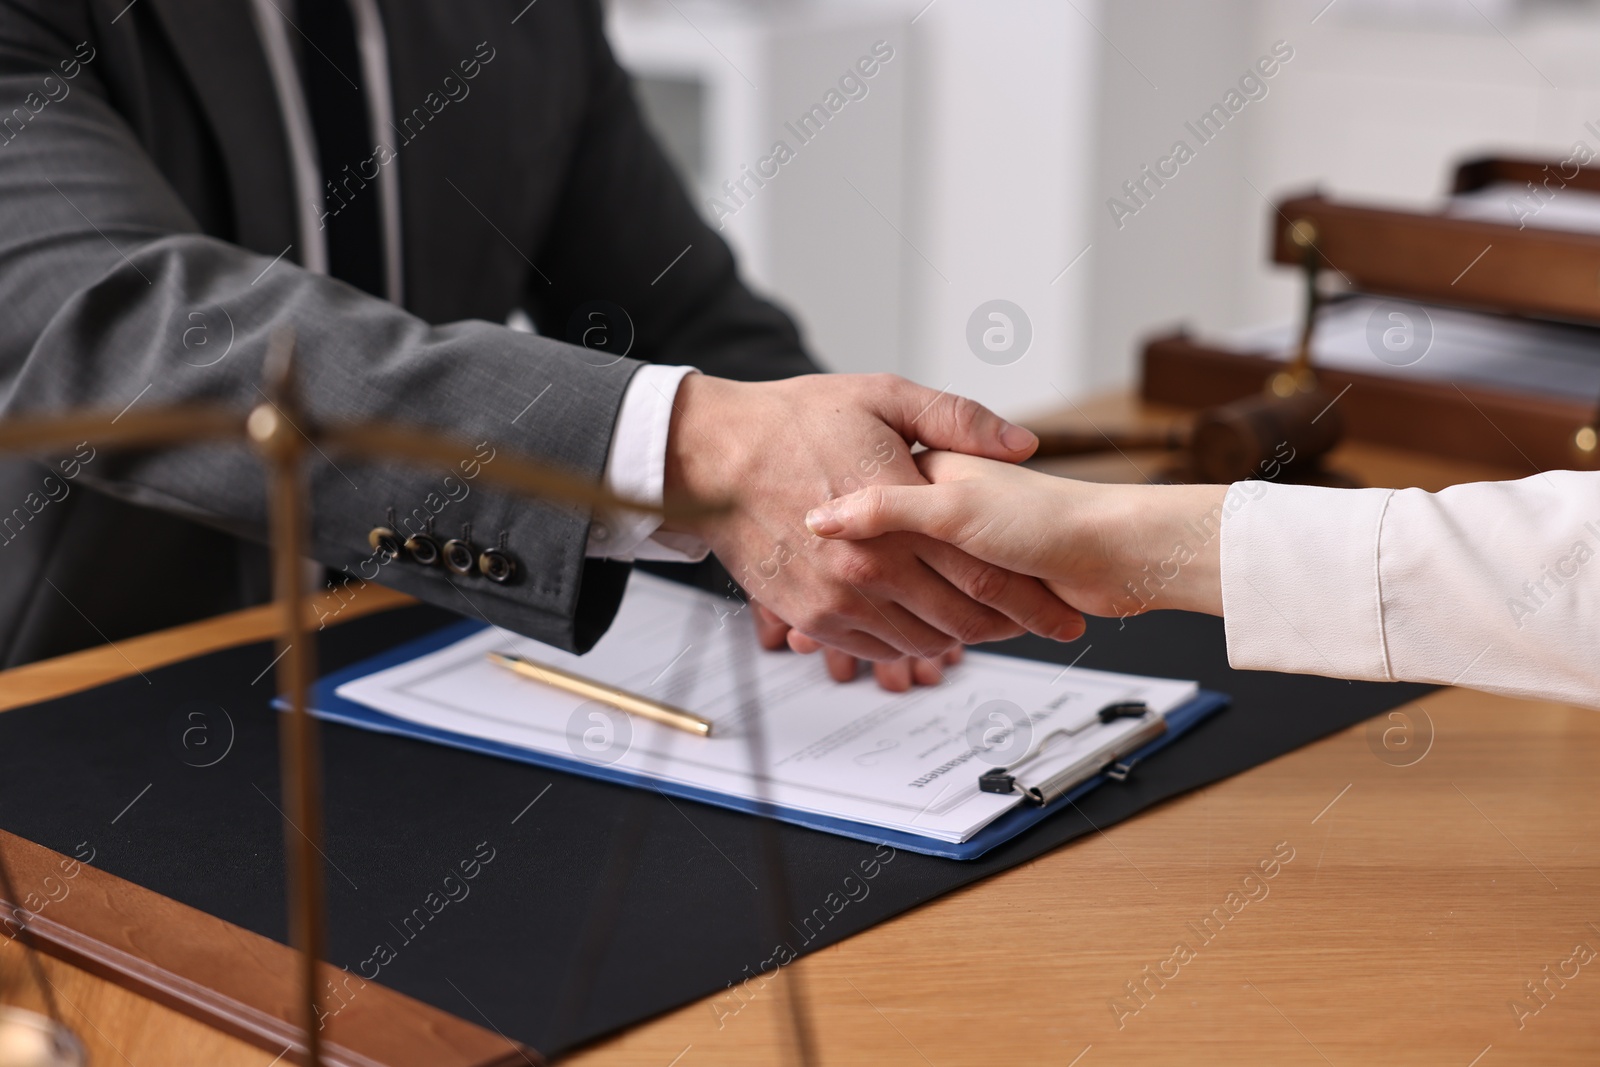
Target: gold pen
621 699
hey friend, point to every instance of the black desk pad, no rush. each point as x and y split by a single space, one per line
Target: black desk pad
172 780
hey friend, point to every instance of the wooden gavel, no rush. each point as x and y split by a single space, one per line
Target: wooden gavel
1294 423
1253 437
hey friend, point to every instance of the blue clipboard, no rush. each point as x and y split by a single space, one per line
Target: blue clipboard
326 704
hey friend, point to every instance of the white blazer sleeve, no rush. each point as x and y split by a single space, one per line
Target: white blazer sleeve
1492 585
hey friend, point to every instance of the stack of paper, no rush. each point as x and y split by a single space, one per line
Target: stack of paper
1443 344
1558 208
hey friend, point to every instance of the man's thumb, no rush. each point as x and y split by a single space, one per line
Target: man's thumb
877 509
958 424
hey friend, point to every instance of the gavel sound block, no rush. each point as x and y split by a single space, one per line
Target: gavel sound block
1255 437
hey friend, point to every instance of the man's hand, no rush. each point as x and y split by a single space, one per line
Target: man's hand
782 448
895 675
1106 549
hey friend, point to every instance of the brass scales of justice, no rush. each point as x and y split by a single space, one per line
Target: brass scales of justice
281 431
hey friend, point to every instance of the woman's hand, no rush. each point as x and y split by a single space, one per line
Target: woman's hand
1104 549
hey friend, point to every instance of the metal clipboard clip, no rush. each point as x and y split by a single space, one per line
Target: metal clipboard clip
1008 780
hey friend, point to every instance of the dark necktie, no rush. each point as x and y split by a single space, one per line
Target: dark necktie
336 97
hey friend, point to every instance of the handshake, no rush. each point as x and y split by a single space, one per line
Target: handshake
847 547
855 545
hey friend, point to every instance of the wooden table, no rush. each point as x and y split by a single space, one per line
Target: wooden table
1421 880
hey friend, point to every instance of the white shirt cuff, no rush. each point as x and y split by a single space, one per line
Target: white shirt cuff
1300 580
636 468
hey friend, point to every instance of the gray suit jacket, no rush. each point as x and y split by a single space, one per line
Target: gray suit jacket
145 197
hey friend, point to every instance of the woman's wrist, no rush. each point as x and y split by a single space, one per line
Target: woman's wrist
1167 541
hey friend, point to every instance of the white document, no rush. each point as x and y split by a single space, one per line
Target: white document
1577 210
907 762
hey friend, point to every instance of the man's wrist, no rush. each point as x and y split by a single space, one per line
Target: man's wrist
695 462
636 469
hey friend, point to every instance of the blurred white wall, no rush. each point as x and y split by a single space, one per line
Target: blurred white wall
795 217
1000 197
962 176
984 160
1165 62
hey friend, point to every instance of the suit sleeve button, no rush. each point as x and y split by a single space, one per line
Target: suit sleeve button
460 556
423 549
498 565
383 539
